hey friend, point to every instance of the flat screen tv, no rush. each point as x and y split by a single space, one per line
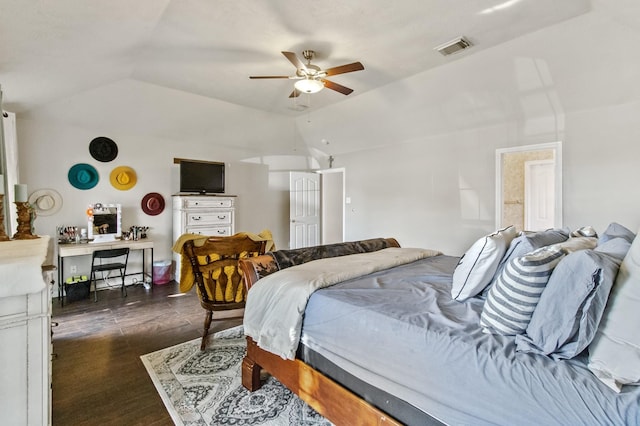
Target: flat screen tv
202 177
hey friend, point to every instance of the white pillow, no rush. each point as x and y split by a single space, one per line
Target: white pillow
477 266
614 354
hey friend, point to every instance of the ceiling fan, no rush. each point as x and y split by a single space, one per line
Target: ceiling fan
311 78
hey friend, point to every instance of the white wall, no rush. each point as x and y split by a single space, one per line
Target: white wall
419 154
152 125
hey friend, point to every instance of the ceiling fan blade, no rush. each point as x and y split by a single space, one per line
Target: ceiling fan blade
268 76
356 66
295 93
295 60
337 87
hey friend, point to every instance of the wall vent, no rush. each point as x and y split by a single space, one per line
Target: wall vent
454 46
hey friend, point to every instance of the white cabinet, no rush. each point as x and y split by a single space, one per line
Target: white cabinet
25 333
211 215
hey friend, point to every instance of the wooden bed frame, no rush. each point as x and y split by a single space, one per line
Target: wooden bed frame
327 397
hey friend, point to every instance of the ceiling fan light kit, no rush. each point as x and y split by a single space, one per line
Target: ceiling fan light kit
311 78
309 85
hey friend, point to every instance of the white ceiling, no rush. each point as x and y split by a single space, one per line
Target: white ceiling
50 50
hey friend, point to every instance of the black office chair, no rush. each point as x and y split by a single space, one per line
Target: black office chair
109 260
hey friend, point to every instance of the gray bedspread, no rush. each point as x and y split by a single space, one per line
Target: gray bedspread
400 331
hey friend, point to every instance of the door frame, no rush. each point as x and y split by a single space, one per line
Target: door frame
556 147
324 190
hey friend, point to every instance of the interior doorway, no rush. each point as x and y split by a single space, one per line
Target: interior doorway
304 209
316 208
332 200
536 202
539 179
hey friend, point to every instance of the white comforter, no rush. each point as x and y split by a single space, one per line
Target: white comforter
276 303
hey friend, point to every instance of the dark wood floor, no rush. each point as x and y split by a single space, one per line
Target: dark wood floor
98 377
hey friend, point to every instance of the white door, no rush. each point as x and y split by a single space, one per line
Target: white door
539 195
304 209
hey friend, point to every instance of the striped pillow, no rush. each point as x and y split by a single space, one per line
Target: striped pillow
516 292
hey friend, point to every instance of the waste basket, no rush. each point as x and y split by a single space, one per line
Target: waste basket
161 272
77 287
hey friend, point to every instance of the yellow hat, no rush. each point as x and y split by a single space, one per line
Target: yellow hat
123 178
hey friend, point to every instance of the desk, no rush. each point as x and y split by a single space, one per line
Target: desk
82 249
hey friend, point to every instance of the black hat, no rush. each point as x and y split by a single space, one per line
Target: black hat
103 149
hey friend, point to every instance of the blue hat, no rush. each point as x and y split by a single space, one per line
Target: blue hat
83 176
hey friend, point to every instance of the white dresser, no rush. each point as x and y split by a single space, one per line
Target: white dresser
204 215
25 334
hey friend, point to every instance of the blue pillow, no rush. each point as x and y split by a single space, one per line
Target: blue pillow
615 230
616 247
571 306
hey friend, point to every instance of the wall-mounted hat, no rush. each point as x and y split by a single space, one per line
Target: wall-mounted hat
123 178
152 204
83 176
46 201
103 149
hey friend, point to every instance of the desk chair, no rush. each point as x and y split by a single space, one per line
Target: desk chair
217 274
109 260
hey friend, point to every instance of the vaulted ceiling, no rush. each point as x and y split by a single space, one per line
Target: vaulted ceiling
50 50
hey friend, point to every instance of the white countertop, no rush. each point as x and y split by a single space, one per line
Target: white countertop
21 266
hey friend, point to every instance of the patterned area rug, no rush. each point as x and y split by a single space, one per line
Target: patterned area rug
204 387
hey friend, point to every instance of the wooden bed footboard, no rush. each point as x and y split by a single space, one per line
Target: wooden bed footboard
334 402
327 397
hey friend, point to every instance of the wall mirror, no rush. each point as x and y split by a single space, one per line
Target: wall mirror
529 186
105 222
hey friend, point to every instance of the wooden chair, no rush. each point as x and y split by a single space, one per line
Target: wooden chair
217 275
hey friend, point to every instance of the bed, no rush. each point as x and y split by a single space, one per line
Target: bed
391 345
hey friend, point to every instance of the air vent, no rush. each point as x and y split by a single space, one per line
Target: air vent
453 46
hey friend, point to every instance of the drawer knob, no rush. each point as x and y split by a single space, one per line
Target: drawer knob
222 217
197 217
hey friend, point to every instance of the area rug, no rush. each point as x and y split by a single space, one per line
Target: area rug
204 387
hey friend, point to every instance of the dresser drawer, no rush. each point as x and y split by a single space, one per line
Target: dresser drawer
220 231
209 218
206 203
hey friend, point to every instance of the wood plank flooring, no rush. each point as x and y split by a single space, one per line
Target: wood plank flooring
98 377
